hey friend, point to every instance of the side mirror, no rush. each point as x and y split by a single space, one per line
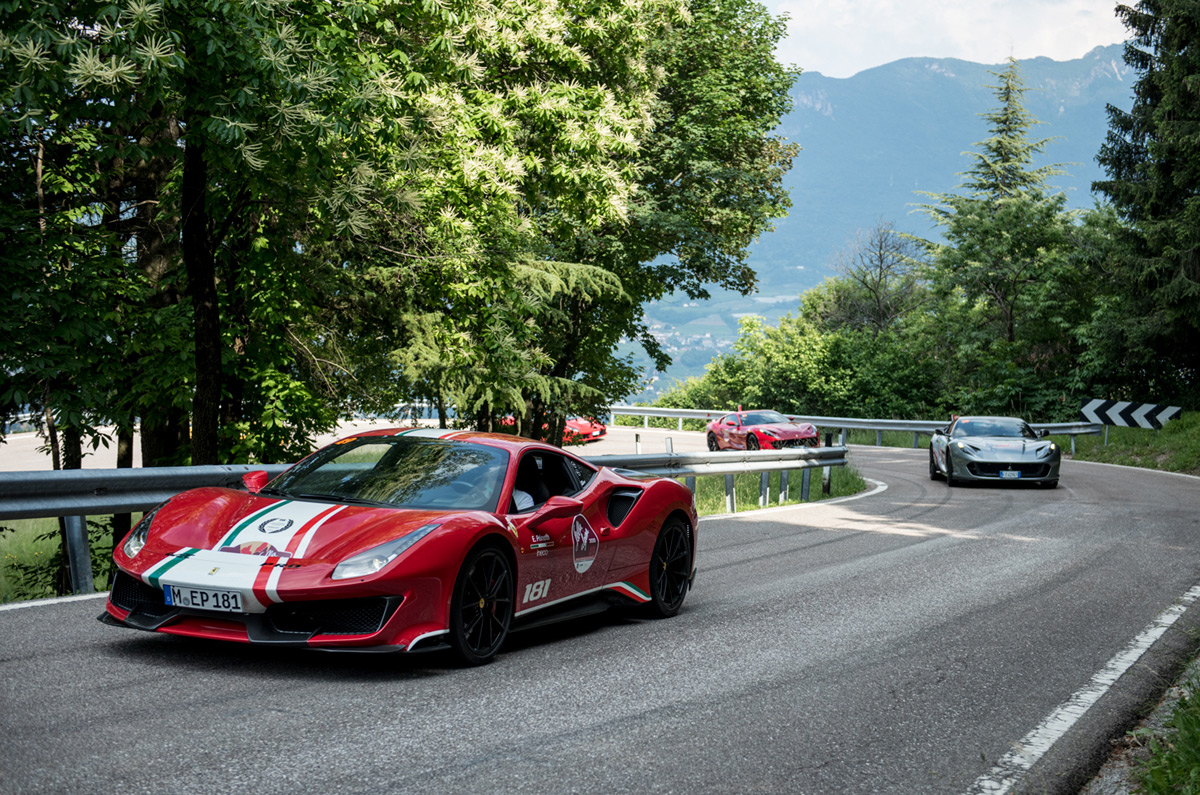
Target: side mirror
1043 433
556 508
254 481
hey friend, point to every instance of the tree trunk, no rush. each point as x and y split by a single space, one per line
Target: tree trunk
202 289
72 458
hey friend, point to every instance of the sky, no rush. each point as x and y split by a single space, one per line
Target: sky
840 38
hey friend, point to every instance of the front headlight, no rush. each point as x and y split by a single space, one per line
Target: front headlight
1047 450
137 536
769 432
371 561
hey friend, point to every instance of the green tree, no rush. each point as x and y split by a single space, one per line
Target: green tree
1147 335
1005 234
878 283
709 181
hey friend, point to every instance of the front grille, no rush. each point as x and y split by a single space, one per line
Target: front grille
337 617
782 443
130 593
992 469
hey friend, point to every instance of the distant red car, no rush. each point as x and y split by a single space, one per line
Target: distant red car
403 539
583 430
755 430
577 431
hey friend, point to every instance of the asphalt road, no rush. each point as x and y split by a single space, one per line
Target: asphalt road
903 642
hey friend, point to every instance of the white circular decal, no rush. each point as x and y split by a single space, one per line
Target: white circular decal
584 544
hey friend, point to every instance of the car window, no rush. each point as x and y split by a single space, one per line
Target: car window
764 418
542 474
402 472
994 426
582 472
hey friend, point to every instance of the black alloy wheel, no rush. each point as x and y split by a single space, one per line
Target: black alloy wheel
670 569
934 472
712 442
481 609
949 469
751 442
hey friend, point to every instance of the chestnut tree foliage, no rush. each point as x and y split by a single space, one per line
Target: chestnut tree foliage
230 222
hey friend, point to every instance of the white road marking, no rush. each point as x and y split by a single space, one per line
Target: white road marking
54 601
1038 742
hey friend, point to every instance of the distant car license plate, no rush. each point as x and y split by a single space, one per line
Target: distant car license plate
1010 474
203 598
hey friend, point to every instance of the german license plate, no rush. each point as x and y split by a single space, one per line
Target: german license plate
1010 474
203 598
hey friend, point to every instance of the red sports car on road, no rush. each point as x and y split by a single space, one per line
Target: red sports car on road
754 430
407 539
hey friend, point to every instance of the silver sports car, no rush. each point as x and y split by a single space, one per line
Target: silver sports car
993 448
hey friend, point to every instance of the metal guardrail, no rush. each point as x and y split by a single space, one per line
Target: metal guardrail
916 427
79 493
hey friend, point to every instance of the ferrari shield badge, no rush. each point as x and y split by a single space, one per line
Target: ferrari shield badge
584 544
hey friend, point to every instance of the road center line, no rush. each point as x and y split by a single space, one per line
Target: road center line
1034 745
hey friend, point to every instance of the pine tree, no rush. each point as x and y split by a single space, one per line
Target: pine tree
1148 340
1004 235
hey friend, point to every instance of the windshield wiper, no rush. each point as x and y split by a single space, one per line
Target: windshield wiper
274 492
341 499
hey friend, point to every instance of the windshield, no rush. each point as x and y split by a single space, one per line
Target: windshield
993 426
400 472
763 418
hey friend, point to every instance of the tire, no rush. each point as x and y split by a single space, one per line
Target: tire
712 443
1050 484
949 469
482 606
670 569
751 442
934 472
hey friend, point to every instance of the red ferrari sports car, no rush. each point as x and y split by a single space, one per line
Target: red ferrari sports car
754 430
407 539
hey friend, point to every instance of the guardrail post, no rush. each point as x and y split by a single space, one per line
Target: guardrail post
690 482
730 498
646 421
826 478
783 487
79 556
764 489
681 423
916 444
1072 445
805 483
879 438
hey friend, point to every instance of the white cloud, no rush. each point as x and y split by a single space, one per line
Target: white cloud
839 38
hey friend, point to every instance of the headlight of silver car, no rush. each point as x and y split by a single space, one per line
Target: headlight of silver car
371 561
1048 450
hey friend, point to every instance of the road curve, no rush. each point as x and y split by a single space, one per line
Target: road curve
898 643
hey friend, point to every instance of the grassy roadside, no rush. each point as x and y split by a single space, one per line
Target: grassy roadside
710 491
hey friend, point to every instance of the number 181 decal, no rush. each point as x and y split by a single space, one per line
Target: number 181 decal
536 590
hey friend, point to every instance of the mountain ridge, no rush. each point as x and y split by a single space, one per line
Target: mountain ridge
871 144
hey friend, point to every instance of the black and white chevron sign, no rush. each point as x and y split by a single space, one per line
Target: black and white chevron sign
1126 414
